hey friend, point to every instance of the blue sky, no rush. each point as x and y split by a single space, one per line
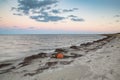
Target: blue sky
59 16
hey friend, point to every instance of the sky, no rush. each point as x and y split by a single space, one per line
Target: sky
59 16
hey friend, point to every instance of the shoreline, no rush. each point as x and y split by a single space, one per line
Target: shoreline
38 47
61 50
73 53
50 51
55 51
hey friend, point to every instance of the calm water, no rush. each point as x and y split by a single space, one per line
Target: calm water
16 46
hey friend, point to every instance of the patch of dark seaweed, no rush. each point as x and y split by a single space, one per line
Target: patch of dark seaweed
51 63
97 44
7 70
74 47
61 50
5 65
28 59
65 62
42 68
47 66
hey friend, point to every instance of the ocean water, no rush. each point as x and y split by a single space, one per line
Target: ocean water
17 46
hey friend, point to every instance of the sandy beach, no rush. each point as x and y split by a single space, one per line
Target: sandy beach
97 60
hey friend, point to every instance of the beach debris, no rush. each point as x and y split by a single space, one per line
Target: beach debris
65 56
59 56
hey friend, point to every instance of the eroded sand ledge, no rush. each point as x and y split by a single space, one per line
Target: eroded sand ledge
97 60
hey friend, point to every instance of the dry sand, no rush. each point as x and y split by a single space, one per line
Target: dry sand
99 60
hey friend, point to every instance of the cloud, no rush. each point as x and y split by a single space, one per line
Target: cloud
72 16
56 11
17 14
26 6
70 10
77 19
47 18
117 16
41 10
